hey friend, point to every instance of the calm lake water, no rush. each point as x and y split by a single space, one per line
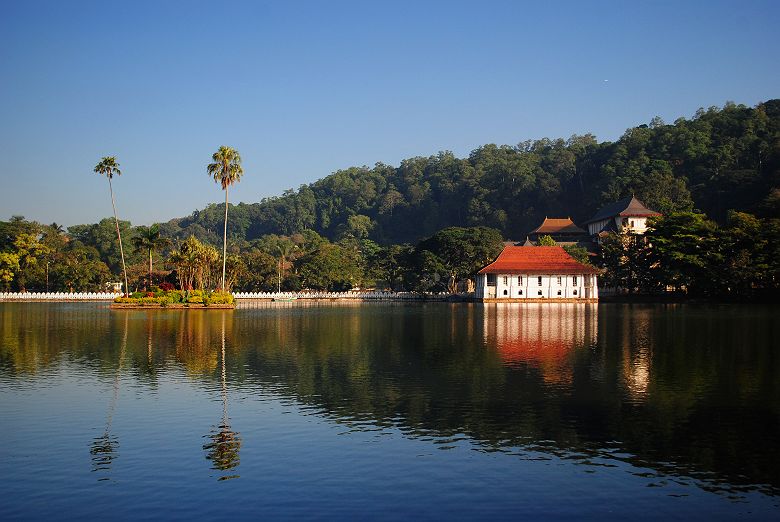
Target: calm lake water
390 411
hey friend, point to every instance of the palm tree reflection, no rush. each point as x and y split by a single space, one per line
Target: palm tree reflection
104 448
223 447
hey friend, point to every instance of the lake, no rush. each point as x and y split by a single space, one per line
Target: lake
390 411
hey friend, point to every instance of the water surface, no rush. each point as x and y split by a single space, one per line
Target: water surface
390 411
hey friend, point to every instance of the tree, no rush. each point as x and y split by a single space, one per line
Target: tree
108 166
236 268
686 251
81 269
331 267
284 247
193 261
28 250
461 251
579 253
225 170
9 265
546 241
628 263
260 272
148 239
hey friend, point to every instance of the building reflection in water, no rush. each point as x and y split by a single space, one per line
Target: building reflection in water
636 347
104 448
224 443
541 336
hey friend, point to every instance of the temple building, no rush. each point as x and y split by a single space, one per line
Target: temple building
536 273
629 215
562 230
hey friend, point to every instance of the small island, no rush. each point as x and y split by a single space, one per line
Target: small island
170 298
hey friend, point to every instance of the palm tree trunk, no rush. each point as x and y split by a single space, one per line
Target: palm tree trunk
119 236
150 269
224 242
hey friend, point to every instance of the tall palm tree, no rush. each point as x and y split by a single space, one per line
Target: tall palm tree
226 170
284 249
108 167
149 240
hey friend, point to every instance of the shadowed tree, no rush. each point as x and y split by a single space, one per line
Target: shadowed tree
108 167
148 239
225 170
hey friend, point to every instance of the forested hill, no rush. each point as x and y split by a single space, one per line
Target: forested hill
721 159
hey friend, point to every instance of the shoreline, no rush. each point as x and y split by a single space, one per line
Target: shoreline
176 306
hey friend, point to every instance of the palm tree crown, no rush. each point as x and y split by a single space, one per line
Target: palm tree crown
108 167
225 170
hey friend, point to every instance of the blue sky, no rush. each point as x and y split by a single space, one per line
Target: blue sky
302 89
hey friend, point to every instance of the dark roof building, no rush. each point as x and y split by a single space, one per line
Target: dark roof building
627 215
557 226
563 231
626 207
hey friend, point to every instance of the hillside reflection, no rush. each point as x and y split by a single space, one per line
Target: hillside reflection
686 391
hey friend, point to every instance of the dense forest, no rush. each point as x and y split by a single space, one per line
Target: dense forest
721 159
430 223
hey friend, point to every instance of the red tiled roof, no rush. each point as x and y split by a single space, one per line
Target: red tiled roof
558 226
536 260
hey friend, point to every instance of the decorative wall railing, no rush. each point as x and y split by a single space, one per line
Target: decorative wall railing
107 296
361 296
57 296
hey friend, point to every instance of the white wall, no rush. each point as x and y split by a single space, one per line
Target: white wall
635 225
526 286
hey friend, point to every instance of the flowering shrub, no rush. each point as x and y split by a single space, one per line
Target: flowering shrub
144 301
220 298
167 287
164 298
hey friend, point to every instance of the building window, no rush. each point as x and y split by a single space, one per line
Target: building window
491 279
520 292
632 223
559 280
575 292
574 280
540 282
506 280
539 292
559 292
505 292
520 280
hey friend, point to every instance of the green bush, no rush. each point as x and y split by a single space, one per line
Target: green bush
175 296
165 298
220 298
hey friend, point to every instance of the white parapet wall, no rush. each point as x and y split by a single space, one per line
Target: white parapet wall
361 296
58 296
107 296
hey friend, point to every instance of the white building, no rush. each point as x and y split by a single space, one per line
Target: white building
629 215
528 273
